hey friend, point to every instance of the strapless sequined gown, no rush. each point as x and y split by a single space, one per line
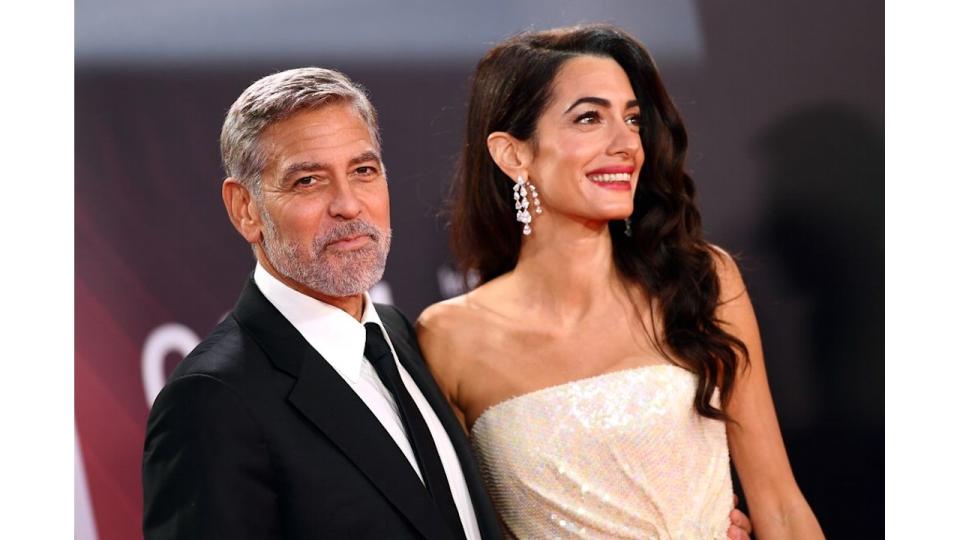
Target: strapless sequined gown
619 455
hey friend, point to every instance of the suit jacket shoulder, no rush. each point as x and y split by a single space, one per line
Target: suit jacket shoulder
256 436
399 325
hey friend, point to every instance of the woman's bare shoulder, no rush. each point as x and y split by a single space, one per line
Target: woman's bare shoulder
464 325
451 339
445 324
732 286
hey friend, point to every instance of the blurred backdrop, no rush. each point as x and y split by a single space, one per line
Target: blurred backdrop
784 103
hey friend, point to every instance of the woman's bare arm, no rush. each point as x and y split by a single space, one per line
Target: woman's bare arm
777 507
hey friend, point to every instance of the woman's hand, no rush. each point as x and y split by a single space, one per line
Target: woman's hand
740 526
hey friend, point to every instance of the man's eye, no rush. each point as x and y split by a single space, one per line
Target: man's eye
306 181
587 118
366 170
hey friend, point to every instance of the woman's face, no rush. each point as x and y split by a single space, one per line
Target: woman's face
588 152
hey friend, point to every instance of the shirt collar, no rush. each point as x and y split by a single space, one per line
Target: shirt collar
338 337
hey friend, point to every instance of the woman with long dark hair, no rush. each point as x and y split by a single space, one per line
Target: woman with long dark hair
608 365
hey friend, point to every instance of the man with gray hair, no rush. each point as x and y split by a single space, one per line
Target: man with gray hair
308 412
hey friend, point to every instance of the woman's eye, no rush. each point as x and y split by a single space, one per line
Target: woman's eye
633 120
587 118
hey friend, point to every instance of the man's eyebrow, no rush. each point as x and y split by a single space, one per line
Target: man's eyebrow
599 101
369 155
302 166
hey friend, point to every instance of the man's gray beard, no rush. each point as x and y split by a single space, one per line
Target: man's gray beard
331 273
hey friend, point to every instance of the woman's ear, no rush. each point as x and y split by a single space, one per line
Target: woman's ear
510 154
242 209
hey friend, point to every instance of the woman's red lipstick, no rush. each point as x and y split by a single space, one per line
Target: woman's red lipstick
615 177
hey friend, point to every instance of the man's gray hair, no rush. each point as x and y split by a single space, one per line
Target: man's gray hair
274 98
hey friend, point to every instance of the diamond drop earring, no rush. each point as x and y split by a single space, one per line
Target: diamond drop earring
628 231
522 205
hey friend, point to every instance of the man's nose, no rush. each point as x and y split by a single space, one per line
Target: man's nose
345 204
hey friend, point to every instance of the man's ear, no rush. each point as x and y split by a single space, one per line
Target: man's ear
242 209
510 154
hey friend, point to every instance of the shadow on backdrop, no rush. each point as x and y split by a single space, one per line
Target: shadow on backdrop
823 229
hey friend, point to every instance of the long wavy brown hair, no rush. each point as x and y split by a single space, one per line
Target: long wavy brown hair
666 254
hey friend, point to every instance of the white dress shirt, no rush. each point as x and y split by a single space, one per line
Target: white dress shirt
340 339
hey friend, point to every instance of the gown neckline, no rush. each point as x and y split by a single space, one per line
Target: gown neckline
558 386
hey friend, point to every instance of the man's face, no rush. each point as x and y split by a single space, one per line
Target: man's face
324 202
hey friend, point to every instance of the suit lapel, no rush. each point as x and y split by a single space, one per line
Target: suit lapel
410 357
326 400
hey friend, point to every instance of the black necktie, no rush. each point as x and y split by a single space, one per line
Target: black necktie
378 353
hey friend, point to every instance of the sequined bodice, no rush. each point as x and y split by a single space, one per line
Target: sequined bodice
619 455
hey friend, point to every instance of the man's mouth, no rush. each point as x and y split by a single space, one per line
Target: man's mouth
349 243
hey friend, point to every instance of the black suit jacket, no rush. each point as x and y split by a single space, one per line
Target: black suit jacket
256 436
